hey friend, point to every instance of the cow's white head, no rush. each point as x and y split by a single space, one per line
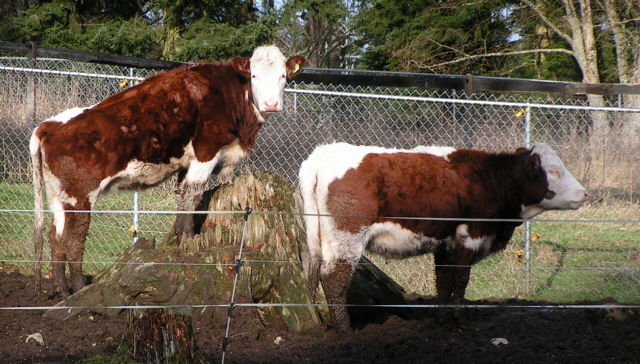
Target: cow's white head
569 193
269 71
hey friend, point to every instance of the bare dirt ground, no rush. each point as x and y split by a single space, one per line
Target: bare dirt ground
464 336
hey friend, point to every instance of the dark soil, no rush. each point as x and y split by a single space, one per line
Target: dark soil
461 336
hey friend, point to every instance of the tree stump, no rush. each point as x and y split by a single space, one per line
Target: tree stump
201 270
161 336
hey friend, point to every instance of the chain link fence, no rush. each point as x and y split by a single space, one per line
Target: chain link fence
589 254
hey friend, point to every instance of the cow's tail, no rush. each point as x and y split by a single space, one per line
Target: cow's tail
308 187
38 222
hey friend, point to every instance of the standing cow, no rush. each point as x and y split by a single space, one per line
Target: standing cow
359 197
192 121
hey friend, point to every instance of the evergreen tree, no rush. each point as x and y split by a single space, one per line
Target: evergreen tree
161 29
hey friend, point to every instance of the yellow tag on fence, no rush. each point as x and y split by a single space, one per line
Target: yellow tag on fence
520 113
535 237
123 84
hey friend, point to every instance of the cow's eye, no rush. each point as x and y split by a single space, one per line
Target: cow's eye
283 76
254 76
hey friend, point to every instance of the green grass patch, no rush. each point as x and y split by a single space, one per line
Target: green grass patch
109 234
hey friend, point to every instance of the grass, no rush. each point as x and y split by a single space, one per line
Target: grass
570 262
108 236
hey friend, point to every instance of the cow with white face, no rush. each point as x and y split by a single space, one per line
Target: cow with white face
269 68
192 121
381 200
569 193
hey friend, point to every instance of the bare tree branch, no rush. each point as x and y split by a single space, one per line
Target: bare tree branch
496 54
548 22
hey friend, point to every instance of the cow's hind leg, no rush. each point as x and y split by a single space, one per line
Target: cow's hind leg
76 228
453 270
335 283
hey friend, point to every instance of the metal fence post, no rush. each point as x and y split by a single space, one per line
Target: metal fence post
31 87
527 224
136 213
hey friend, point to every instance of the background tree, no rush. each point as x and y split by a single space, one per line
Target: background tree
592 29
434 36
320 29
159 29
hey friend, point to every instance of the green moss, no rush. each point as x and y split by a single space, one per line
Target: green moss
120 356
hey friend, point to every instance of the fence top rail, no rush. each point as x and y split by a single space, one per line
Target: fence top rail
462 101
68 73
85 56
352 94
469 83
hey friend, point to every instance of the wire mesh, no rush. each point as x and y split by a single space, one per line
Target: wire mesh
571 260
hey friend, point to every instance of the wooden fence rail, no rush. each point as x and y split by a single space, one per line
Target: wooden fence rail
469 83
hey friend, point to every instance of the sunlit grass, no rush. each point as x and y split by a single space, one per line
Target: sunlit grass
109 234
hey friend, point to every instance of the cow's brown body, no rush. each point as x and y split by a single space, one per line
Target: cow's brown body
193 121
384 200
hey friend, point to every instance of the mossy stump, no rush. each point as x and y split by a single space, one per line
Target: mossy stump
200 271
160 336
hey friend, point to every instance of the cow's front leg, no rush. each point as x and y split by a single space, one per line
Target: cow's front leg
189 198
191 186
335 279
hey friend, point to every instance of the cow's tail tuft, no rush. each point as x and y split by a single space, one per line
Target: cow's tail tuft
308 184
38 222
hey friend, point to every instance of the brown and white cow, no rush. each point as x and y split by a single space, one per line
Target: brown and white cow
362 197
192 121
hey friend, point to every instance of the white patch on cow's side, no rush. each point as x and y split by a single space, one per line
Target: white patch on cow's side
331 161
477 244
391 240
569 193
229 157
138 175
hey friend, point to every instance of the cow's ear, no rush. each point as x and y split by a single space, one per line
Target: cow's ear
242 66
295 65
523 150
534 166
